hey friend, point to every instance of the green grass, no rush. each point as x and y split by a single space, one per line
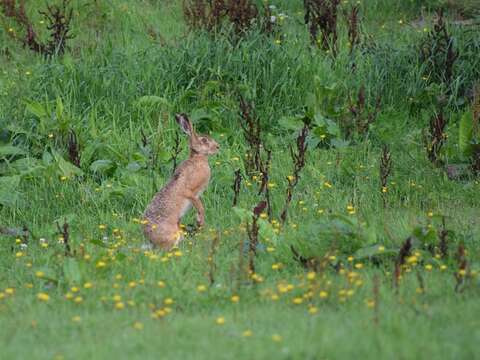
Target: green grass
131 66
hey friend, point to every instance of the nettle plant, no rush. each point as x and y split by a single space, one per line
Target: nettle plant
323 113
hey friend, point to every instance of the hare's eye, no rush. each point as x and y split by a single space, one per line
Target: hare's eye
204 140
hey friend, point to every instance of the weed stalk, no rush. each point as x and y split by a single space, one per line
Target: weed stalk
211 259
462 265
298 159
237 182
58 17
353 25
74 149
321 19
264 171
64 232
436 136
252 132
385 170
252 231
402 256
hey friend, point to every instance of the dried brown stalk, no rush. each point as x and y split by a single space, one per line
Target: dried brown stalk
237 181
65 234
298 158
436 136
402 256
211 259
462 271
252 231
353 24
252 129
73 149
321 19
58 18
385 170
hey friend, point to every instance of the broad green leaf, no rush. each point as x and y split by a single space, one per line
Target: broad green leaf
9 194
291 122
426 236
313 141
140 157
47 158
59 109
320 133
27 166
66 168
102 166
37 109
133 166
91 151
319 119
10 150
146 151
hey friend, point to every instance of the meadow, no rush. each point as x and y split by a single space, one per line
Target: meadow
342 216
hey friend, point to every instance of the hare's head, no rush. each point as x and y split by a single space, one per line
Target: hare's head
199 144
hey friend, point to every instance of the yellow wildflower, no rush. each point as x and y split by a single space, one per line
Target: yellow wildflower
43 297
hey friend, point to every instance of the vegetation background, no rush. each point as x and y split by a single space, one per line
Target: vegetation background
356 237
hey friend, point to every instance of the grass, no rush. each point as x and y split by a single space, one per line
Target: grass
131 66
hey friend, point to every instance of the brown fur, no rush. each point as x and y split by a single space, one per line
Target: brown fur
190 179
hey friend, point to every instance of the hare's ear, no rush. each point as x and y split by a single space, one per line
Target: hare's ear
184 123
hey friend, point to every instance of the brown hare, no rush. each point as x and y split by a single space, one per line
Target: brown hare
163 214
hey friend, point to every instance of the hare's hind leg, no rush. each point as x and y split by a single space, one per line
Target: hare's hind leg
164 236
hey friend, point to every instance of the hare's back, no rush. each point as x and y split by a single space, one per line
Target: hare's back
163 205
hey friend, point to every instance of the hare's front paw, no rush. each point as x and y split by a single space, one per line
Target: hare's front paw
200 220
